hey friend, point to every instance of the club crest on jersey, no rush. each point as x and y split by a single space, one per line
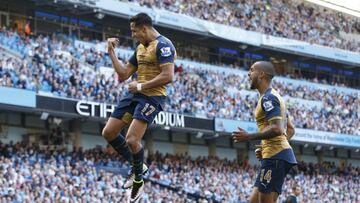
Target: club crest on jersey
165 51
268 106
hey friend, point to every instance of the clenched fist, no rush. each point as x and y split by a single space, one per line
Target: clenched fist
111 44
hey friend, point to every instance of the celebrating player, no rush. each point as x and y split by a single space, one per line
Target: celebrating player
153 61
276 152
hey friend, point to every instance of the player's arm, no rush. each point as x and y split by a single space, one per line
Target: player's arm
166 76
271 106
126 71
275 129
290 129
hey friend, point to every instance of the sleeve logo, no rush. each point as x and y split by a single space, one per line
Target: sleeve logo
268 106
165 51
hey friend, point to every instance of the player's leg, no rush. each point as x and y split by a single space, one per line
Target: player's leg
254 198
120 118
258 197
275 196
111 133
133 138
268 197
144 114
134 135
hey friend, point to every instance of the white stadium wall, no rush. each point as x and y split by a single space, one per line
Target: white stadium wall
354 162
198 150
10 133
308 158
34 121
16 134
226 153
337 161
164 147
92 140
91 127
252 158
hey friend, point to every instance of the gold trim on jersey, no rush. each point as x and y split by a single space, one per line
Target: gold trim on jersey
163 64
275 118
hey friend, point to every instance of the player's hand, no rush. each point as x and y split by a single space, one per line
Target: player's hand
258 151
133 87
290 128
240 136
112 43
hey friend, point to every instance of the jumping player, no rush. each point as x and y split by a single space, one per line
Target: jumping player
153 61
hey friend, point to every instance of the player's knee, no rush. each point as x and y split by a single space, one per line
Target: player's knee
108 134
132 142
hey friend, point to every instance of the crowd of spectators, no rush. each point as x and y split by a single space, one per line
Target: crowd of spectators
30 174
293 19
211 93
48 64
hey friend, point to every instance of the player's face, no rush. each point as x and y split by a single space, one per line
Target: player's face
253 76
138 32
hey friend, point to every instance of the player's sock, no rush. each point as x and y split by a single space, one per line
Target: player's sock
138 160
119 144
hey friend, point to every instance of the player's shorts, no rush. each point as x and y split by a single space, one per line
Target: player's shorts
272 175
138 106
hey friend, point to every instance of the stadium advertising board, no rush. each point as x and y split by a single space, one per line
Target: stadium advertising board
85 108
103 110
302 135
306 135
170 119
94 109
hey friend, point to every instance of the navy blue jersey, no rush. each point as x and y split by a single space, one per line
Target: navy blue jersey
271 106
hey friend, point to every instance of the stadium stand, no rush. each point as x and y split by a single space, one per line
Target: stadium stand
49 65
30 174
73 67
298 19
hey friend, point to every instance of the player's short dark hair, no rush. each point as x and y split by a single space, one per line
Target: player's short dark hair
141 19
268 68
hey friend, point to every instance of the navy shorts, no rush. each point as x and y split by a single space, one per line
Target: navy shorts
272 175
138 106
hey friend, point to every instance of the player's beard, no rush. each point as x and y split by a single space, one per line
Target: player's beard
253 84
